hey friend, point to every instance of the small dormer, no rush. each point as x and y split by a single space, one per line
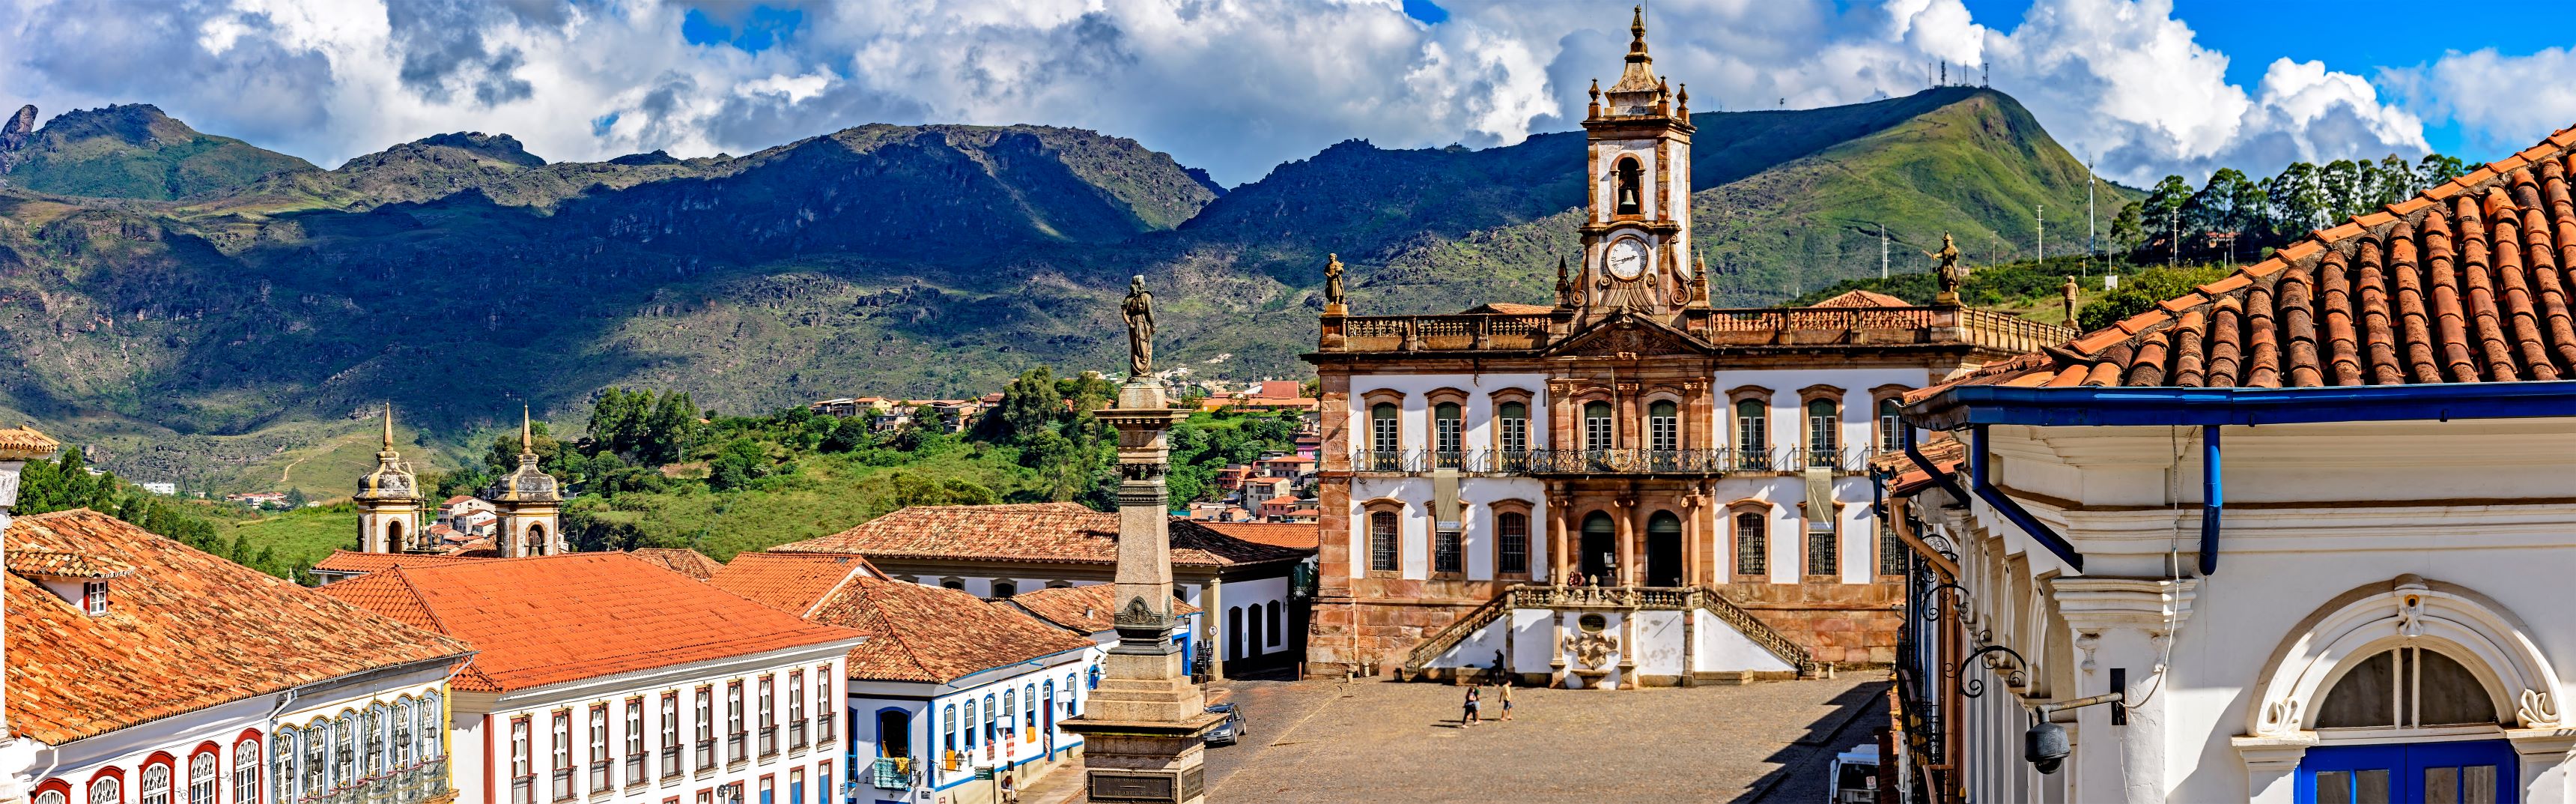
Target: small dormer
82 581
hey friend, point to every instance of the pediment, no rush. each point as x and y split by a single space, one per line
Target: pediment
1624 334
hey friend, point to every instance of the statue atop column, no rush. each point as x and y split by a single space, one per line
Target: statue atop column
2070 292
1139 312
1333 285
1949 273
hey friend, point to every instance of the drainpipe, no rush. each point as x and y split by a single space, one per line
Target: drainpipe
2213 501
2012 510
1916 455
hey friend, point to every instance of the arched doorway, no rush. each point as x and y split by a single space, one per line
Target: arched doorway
1252 629
1600 557
894 733
1664 549
1233 633
394 537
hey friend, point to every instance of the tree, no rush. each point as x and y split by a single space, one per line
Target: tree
2341 182
2298 203
737 464
1029 406
670 430
2436 168
295 499
2126 232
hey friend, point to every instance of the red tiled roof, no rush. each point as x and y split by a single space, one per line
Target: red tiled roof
680 560
926 633
1509 308
186 631
539 621
358 563
1037 532
21 443
1864 298
790 582
49 564
1080 609
2466 282
1289 535
1276 389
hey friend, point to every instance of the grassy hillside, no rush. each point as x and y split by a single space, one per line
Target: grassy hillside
134 151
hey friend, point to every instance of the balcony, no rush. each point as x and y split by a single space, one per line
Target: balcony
768 741
1739 327
891 773
1579 462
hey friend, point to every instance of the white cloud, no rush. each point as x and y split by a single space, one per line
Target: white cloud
2500 102
1232 85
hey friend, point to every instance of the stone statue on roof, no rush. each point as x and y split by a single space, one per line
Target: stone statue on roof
2070 292
1333 283
1949 274
1139 312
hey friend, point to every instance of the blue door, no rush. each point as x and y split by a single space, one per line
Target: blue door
2477 772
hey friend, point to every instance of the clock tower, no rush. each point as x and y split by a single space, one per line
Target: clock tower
1636 237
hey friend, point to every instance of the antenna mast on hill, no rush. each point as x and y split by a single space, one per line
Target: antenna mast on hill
2089 244
1882 250
1988 79
2043 233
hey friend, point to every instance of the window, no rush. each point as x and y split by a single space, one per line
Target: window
375 738
94 597
562 755
156 783
635 770
1891 428
246 771
50 797
970 724
1752 441
281 774
1029 711
737 737
825 705
948 728
1448 434
107 790
523 771
1752 548
1445 543
1596 426
1511 539
1822 556
317 758
1386 437
403 746
1382 540
599 776
1629 200
1004 588
706 729
1514 433
796 709
344 765
1664 427
1824 446
1270 614
201 779
1891 551
768 716
992 723
796 786
670 734
2406 687
433 727
1010 702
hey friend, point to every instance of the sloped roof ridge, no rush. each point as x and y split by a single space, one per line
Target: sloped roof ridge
888 631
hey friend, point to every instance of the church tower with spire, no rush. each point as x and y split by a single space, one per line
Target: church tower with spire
527 501
1636 239
388 501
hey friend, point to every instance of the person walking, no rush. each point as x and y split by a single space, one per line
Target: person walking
1468 716
1505 690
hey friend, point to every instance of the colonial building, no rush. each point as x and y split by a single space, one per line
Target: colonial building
388 501
146 671
522 508
599 677
2310 525
1629 436
996 551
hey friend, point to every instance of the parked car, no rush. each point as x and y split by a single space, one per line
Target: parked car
1855 776
1228 732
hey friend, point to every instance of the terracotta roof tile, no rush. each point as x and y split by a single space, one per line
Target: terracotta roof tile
21 443
1508 308
1080 609
1863 298
539 621
1064 532
2469 281
680 560
50 564
185 631
926 633
790 582
1294 536
358 563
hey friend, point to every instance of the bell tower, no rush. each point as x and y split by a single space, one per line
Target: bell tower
527 500
1636 239
388 501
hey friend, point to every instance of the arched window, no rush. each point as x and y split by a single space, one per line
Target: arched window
948 728
537 540
1382 541
1631 179
1448 434
1511 542
402 744
1386 437
894 733
970 724
50 797
156 783
1233 633
1597 432
374 730
107 790
1752 438
1891 427
1663 427
992 721
1752 545
316 742
2406 687
394 535
1028 708
1010 703
1600 541
246 771
202 786
1005 588
344 756
1513 420
953 583
1049 686
432 730
1270 615
281 776
1824 428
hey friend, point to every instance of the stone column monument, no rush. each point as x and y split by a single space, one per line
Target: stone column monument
1144 728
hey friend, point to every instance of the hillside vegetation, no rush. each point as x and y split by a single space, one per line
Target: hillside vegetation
131 151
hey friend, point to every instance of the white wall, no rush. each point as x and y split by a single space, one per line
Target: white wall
225 725
1658 638
1069 671
1475 497
578 697
1721 648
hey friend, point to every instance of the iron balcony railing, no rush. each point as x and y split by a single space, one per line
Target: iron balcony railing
1611 461
890 773
769 741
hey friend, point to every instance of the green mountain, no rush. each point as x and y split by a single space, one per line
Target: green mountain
130 151
211 338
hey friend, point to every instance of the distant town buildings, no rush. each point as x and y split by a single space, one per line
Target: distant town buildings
887 415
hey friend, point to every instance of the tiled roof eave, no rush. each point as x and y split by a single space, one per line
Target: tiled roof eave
1975 405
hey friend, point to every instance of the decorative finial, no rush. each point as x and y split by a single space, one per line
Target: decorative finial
1564 286
1684 98
389 427
1637 29
527 443
1596 90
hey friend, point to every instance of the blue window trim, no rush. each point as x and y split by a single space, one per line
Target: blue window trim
2406 762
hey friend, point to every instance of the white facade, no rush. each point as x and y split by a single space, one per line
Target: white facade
2447 542
1003 718
358 737
759 728
1259 597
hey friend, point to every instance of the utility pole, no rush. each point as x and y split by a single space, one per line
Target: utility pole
2173 230
1882 250
2089 244
2043 234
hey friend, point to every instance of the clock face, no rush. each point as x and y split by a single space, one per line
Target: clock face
1627 258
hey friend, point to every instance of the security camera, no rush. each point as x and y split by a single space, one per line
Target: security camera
2044 746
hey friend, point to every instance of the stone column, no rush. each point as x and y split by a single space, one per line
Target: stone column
1143 732
2128 623
1213 614
1631 527
1556 549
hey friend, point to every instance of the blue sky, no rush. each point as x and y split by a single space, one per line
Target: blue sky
2144 87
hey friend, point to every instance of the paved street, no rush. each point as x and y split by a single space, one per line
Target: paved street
1327 742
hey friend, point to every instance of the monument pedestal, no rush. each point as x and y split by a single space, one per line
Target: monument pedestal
1144 728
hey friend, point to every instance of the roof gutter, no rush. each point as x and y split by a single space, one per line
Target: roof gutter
1976 405
2012 510
1947 483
